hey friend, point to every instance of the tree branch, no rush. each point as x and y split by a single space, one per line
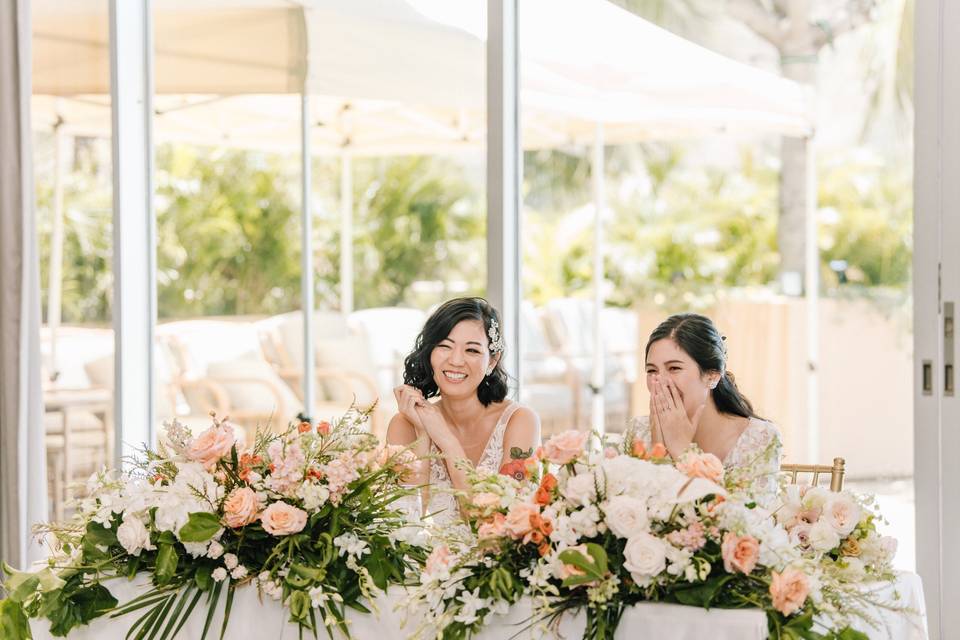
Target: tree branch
856 14
758 19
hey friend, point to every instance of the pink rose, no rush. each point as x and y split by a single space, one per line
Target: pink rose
810 516
789 591
282 519
701 465
519 518
800 535
565 447
496 527
241 508
211 445
843 513
740 553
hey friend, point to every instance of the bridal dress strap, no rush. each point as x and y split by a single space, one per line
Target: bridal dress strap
492 457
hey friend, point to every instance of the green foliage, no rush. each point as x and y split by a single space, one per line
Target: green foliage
681 231
228 233
417 219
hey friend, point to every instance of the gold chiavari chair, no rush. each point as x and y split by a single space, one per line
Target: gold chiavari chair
835 471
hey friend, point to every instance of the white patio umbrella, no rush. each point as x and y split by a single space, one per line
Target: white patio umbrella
403 77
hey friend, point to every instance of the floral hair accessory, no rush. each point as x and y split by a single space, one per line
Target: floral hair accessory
496 340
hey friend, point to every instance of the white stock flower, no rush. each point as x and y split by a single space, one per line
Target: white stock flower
230 560
238 572
219 574
133 536
823 537
215 550
854 571
625 516
644 557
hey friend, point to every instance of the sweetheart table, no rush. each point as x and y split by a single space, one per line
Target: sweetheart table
259 619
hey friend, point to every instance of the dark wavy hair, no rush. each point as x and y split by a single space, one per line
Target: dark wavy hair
700 339
417 371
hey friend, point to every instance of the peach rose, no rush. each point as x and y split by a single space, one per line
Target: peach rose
740 553
850 548
789 590
241 508
485 500
496 527
519 518
565 447
211 445
701 465
659 451
282 519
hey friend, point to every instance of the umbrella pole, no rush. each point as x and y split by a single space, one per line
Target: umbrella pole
599 204
346 234
306 261
54 300
812 295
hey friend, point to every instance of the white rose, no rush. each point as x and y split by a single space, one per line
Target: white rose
219 574
823 537
215 550
842 512
230 560
626 516
133 536
644 557
581 489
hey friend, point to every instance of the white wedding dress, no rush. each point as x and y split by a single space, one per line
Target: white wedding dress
442 507
752 468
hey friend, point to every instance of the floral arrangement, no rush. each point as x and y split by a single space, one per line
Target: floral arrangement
599 531
305 516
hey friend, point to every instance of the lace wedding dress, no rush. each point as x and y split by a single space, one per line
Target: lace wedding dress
752 468
442 508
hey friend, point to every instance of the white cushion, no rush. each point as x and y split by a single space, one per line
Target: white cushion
348 353
254 396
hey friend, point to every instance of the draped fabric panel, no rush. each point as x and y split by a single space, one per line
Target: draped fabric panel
22 460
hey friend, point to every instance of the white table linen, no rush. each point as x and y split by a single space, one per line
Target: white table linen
253 618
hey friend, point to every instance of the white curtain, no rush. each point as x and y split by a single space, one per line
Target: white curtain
22 461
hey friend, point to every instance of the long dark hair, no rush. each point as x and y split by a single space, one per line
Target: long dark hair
700 339
417 371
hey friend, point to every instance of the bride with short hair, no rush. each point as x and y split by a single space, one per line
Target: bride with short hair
458 358
694 400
